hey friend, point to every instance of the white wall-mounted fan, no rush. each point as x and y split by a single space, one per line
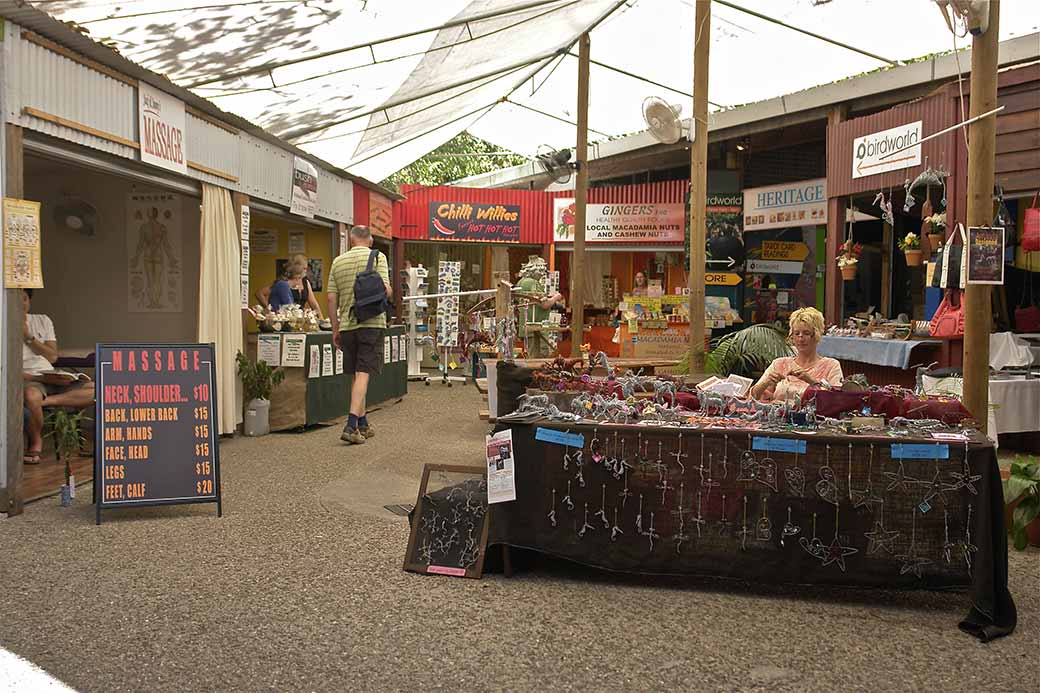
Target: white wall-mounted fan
75 214
556 164
662 120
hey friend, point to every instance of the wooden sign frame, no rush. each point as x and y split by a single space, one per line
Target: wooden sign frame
412 562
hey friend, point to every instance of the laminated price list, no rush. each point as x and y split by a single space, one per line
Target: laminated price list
156 426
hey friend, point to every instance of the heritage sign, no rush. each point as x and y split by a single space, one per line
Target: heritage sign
156 426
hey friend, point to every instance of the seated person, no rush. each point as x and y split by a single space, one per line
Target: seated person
39 352
789 376
292 287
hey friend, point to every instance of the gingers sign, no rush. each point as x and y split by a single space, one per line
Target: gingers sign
463 221
161 120
620 222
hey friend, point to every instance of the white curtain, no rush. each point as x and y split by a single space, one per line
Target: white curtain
220 313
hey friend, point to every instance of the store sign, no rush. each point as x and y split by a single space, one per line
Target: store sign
462 221
304 188
621 223
868 151
380 215
774 267
161 122
156 417
784 250
781 206
722 279
986 255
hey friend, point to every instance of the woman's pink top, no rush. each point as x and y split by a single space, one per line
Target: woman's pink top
792 387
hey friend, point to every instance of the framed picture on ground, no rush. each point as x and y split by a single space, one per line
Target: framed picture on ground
449 525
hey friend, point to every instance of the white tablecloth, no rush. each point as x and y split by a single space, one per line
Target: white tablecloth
1014 403
1007 350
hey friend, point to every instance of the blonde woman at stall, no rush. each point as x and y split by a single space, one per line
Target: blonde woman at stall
789 376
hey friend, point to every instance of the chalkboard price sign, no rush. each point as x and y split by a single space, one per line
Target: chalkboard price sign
156 426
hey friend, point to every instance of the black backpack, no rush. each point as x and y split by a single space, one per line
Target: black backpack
369 291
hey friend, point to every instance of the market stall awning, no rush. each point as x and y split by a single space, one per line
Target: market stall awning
372 86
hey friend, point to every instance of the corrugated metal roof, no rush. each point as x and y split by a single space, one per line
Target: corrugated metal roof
45 25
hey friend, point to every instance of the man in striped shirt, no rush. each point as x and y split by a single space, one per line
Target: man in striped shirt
361 343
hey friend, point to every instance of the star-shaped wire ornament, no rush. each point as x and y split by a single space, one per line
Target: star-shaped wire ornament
865 497
936 487
836 553
879 539
901 480
912 563
965 479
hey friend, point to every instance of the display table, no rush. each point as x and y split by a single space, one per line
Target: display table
841 512
300 400
883 361
1014 402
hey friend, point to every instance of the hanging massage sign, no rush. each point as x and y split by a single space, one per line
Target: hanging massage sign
156 426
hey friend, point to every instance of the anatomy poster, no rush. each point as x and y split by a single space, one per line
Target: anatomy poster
154 254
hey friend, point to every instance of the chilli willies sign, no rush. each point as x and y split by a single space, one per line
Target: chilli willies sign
462 221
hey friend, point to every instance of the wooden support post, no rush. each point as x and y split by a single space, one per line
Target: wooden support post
14 186
400 280
982 139
502 311
699 183
836 206
581 189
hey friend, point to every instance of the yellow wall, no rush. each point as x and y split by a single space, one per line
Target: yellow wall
261 267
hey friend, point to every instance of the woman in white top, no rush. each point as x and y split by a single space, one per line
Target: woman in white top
789 376
39 352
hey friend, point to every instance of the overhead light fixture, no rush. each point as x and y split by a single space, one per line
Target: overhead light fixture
741 147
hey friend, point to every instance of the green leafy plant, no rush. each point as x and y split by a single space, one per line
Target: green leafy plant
258 378
1023 485
65 428
747 352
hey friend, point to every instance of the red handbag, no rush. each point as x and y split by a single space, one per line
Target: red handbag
1031 228
948 320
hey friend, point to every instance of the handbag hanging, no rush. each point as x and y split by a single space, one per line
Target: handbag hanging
1031 227
951 270
948 320
1027 315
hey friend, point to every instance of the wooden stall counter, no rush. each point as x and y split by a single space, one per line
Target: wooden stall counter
318 391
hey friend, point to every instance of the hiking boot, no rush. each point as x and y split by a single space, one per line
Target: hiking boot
367 431
352 436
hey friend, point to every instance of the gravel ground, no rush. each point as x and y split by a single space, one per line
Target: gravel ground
299 587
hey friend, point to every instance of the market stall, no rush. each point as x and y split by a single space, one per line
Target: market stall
315 389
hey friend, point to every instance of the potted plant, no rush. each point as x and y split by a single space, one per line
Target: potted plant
910 244
936 230
848 259
1022 499
258 380
68 441
747 352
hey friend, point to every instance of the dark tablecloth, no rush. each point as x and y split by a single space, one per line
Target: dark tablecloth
879 522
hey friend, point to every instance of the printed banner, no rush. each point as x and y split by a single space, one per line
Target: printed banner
380 215
161 121
461 221
243 278
620 223
304 188
986 255
791 204
22 268
153 241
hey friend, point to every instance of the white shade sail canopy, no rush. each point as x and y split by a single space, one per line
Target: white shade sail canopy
509 74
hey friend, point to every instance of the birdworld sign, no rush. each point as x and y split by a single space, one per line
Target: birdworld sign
889 150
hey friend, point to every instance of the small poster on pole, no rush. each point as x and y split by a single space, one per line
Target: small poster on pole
986 255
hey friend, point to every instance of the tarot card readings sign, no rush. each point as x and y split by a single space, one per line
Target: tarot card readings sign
449 524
